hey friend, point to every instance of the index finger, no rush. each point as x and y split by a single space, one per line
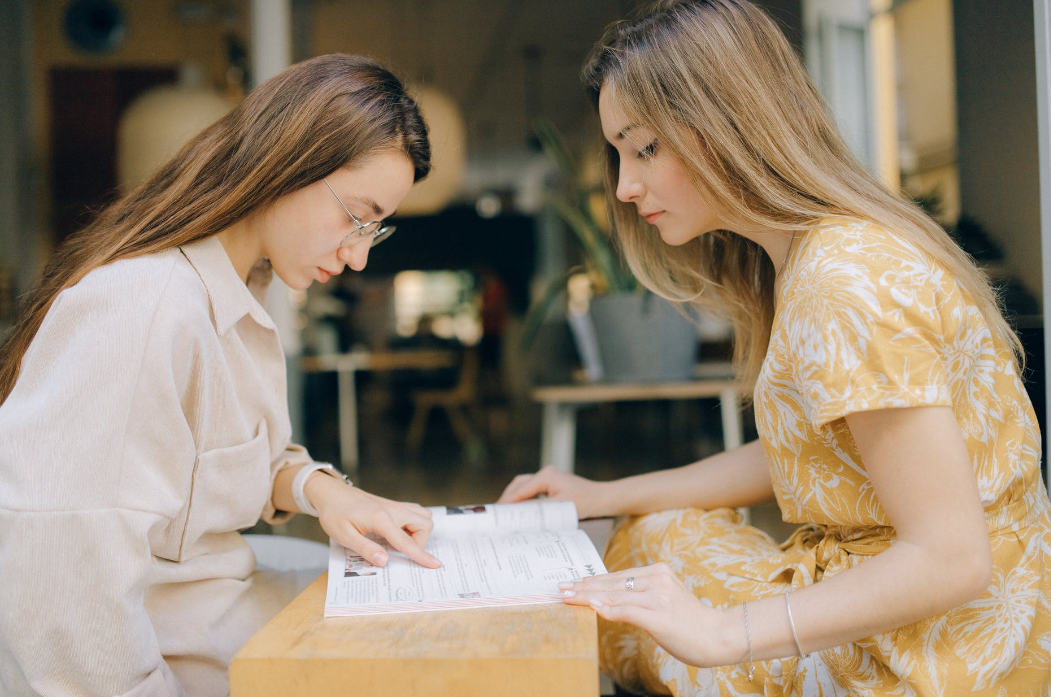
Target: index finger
525 487
615 580
401 541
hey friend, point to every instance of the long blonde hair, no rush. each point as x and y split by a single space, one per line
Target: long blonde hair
723 91
297 127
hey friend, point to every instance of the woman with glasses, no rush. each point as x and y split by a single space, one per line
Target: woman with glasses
893 425
143 416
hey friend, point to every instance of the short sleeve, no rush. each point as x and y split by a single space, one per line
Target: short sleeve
869 327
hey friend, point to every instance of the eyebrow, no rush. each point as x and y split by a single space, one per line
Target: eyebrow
624 131
371 204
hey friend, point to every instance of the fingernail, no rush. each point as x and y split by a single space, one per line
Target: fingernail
568 594
577 580
379 558
595 603
565 584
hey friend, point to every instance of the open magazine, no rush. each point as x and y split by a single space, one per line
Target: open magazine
496 554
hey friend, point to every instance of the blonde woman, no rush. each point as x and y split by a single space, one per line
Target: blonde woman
143 418
893 426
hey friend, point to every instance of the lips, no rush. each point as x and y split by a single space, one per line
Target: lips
651 218
323 275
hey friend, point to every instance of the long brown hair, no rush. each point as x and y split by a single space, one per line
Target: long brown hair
724 92
297 127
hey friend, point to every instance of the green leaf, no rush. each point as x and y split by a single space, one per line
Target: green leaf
600 257
538 310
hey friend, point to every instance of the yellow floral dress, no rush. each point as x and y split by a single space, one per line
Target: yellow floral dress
864 321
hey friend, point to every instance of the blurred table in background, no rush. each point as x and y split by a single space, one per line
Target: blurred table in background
345 365
561 403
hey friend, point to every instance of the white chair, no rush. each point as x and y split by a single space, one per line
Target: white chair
278 553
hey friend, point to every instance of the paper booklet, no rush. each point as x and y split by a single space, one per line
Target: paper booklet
497 554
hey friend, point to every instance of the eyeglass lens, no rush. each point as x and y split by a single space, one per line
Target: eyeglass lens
375 232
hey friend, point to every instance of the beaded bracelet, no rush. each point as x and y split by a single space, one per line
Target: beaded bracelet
748 633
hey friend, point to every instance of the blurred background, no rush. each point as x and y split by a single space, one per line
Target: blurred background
420 375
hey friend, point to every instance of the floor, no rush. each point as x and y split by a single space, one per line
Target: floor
613 440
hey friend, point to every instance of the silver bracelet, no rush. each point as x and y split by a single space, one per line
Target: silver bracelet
792 625
748 633
300 481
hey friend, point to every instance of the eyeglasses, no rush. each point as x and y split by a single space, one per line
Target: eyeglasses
375 231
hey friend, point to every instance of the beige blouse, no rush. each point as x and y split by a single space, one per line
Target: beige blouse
144 432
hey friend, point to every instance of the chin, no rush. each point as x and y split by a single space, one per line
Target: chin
295 283
677 238
673 239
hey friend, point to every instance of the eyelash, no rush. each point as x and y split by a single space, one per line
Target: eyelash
649 151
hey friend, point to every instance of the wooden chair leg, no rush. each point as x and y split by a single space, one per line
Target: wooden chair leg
461 426
414 438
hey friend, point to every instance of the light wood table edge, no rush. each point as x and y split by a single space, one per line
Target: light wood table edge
283 659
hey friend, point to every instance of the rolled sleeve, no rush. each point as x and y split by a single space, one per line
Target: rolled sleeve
293 456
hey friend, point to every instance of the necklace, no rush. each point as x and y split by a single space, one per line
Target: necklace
788 253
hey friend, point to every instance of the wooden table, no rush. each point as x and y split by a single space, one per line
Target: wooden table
347 364
535 651
561 403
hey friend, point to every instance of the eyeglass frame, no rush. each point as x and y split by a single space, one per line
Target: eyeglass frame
381 232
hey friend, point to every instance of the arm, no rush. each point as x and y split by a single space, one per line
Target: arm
922 475
72 608
738 477
78 512
348 514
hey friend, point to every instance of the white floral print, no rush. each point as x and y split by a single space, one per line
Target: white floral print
865 320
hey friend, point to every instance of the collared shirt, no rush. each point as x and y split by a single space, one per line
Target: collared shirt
145 430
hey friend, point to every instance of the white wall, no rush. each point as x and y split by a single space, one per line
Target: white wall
1042 33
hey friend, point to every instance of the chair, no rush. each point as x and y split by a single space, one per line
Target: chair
279 553
454 400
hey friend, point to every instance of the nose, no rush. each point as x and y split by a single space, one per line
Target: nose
355 257
629 185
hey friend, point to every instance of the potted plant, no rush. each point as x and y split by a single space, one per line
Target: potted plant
624 333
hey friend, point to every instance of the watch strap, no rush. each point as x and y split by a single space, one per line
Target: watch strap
300 480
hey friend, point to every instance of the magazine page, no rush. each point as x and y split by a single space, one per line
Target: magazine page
525 516
477 571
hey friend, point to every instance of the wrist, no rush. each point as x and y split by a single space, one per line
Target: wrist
730 645
612 498
311 484
322 490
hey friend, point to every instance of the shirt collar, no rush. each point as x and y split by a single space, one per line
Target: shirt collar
230 298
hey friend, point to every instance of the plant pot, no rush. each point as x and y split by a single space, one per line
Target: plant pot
642 338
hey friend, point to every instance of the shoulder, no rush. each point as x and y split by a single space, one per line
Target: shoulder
126 300
164 281
838 242
854 260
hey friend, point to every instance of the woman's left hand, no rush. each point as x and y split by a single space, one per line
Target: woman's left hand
659 603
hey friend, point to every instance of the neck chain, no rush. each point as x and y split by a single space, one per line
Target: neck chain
788 253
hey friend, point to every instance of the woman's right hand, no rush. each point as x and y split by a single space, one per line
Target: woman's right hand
349 515
591 498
